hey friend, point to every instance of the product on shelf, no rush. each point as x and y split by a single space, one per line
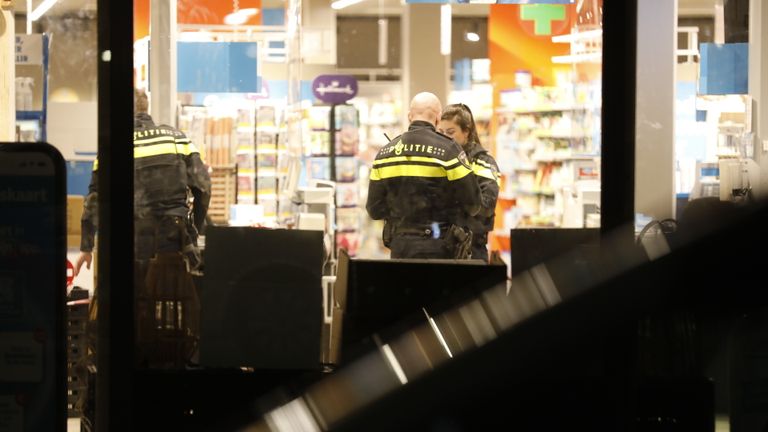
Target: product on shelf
346 169
319 117
318 143
349 241
347 194
318 168
347 140
348 219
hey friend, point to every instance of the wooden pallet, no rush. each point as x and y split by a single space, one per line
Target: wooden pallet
223 192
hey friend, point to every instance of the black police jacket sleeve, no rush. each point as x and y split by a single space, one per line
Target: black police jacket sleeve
199 182
489 189
89 221
376 205
468 194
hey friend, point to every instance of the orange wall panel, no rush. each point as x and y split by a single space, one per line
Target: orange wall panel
213 11
192 12
513 44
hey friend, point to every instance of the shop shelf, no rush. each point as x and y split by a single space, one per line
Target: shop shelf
536 191
562 157
543 134
543 109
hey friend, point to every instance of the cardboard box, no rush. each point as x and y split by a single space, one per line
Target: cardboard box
73 241
74 214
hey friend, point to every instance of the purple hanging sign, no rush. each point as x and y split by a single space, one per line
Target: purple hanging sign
334 89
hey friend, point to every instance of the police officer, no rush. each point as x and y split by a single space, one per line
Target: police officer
423 187
168 171
458 123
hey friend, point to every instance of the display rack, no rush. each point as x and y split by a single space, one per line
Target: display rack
270 169
332 154
223 193
213 134
37 116
548 151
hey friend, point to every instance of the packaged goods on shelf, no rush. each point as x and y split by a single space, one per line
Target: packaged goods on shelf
319 117
349 241
347 194
318 168
348 219
347 140
319 143
346 169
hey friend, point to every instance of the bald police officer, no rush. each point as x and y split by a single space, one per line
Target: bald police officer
423 187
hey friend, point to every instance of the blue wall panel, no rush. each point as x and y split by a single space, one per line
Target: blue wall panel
724 69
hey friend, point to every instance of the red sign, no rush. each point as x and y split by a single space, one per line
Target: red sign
70 273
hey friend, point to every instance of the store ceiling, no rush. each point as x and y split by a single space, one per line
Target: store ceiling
395 7
61 7
366 7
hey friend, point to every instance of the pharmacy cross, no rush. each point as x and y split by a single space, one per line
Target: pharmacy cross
542 15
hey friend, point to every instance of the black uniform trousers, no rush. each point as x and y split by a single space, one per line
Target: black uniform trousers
167 305
420 246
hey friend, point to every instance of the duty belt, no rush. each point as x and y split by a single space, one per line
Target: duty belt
421 230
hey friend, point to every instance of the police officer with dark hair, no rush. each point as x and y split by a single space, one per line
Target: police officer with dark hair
423 187
458 123
172 191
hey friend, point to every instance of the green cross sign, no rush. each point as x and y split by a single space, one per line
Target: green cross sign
542 16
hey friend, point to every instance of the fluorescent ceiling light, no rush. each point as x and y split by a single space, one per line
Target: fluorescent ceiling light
341 4
472 36
41 9
29 21
445 29
240 16
383 39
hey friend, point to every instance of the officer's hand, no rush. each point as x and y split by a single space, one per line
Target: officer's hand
84 258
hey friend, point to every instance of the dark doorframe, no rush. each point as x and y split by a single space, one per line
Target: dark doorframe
115 360
618 119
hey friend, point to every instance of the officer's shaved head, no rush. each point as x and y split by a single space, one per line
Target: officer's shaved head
426 107
140 101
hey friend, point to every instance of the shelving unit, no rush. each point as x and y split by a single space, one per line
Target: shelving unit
545 153
244 146
332 154
262 154
223 193
37 117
